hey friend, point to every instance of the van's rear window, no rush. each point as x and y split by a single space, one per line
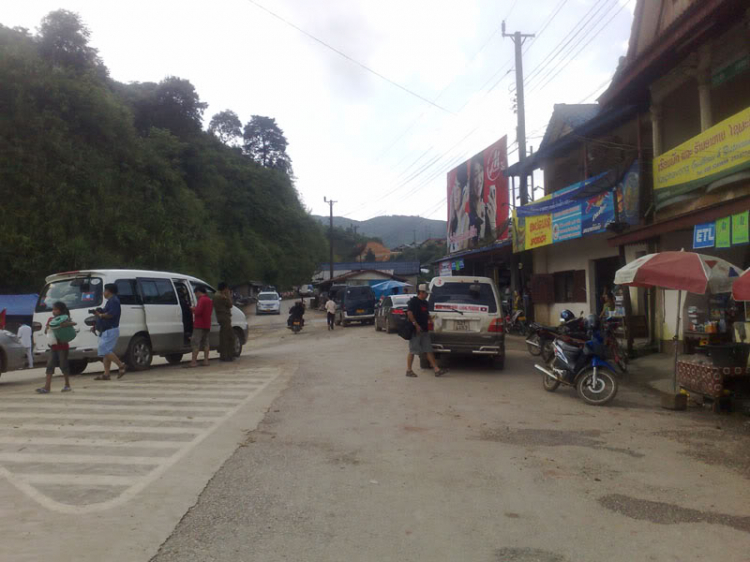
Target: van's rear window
81 292
461 293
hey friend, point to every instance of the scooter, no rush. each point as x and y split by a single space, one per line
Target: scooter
515 323
582 366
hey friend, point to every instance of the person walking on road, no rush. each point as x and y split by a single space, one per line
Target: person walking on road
108 326
223 307
24 338
420 342
331 313
201 326
61 327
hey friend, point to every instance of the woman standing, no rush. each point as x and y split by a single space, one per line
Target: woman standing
62 332
459 222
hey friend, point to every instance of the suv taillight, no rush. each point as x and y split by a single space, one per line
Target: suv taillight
430 325
497 326
397 311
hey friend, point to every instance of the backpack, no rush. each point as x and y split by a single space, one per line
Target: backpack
406 330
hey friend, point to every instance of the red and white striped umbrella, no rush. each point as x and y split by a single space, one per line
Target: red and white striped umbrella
681 271
741 287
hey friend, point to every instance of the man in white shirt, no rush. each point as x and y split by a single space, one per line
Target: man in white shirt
24 337
331 310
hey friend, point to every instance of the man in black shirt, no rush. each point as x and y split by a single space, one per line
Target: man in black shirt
420 341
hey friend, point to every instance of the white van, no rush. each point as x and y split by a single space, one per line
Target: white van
466 318
156 317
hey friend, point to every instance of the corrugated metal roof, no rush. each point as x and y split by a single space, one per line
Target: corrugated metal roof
398 267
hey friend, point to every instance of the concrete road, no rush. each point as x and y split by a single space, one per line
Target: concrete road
315 447
356 462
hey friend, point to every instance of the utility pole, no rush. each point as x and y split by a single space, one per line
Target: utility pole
518 40
330 233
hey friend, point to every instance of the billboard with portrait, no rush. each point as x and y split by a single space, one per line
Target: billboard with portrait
478 199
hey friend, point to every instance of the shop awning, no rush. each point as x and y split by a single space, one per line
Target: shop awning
504 245
682 222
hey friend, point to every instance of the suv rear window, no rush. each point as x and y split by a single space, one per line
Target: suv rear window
81 292
357 294
461 293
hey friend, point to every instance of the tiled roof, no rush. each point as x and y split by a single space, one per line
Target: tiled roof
566 117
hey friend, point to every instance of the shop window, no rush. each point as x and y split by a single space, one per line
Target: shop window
570 286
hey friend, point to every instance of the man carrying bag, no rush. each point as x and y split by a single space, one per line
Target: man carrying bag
420 341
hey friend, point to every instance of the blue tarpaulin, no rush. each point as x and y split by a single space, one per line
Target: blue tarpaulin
18 305
387 287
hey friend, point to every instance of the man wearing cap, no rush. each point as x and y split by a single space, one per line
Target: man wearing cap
201 325
420 342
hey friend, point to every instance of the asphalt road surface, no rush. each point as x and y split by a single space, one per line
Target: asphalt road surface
315 447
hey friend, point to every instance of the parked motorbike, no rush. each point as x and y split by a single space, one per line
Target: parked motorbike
583 365
515 323
541 337
540 340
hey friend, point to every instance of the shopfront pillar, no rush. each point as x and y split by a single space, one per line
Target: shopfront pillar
704 95
656 128
703 76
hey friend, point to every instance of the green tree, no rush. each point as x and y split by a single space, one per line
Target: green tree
227 127
266 144
94 173
370 255
64 41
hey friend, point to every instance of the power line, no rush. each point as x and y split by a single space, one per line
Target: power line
566 52
594 36
349 58
564 42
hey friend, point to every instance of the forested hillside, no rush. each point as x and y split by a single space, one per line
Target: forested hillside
393 230
95 173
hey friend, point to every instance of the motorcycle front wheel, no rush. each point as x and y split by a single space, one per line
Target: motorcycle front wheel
533 344
550 384
598 393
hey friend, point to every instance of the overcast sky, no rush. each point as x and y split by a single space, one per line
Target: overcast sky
353 136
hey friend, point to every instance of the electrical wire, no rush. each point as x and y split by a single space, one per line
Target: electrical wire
558 51
563 59
349 58
594 36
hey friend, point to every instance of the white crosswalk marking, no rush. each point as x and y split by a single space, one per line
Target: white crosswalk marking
103 443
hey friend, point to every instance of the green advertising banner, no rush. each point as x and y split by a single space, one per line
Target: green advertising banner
739 228
723 232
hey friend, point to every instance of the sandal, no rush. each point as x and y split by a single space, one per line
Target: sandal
411 374
66 389
101 378
440 372
121 372
42 391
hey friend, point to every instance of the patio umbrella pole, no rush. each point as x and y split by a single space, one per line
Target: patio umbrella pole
676 341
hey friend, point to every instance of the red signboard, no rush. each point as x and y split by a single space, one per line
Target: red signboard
478 199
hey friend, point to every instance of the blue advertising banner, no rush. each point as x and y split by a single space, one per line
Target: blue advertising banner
596 212
559 200
566 224
704 235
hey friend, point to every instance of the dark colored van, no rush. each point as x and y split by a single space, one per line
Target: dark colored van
357 305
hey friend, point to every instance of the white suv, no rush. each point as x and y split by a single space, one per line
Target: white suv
466 318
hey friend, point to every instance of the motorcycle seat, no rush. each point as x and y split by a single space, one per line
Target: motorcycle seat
568 347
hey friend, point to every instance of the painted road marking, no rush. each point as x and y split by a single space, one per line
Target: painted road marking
78 453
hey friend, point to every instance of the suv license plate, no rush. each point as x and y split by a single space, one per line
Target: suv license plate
360 311
461 325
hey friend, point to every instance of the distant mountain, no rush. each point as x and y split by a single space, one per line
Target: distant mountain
394 230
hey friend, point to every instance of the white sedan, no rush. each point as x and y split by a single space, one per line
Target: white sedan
268 303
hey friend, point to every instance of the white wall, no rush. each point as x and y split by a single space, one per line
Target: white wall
566 256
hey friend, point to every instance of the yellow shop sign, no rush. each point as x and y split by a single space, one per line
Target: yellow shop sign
538 231
720 151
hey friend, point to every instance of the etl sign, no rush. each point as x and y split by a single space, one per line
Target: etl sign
704 235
